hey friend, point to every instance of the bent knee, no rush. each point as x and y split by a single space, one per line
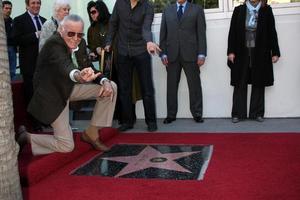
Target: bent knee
114 86
69 149
66 147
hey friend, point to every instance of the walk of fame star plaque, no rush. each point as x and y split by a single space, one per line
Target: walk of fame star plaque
180 162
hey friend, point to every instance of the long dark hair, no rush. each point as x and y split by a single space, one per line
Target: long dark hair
101 7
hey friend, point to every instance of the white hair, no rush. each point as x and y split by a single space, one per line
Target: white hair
60 4
73 18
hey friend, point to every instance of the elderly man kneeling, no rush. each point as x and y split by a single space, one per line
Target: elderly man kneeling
58 80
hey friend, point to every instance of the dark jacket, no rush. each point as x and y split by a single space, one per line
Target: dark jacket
131 27
25 38
96 36
186 37
52 84
266 46
8 29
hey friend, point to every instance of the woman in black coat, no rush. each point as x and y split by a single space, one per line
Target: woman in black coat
99 18
252 50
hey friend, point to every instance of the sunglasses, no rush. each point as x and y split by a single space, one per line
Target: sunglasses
72 34
93 12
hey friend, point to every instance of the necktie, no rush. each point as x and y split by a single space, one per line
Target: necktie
180 12
38 24
74 60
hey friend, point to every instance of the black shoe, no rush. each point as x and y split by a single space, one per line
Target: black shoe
125 127
152 127
199 119
259 119
169 120
21 137
37 128
235 119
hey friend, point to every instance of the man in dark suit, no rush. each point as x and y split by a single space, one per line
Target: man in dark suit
183 44
59 79
26 32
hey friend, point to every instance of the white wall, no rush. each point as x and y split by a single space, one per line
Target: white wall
282 99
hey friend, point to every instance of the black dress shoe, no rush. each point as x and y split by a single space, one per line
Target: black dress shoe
125 127
37 128
22 137
198 119
169 120
235 119
259 119
152 127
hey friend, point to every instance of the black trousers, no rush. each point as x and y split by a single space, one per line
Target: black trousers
257 100
125 66
27 87
192 73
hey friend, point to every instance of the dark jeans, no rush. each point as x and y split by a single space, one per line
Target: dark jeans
125 66
12 57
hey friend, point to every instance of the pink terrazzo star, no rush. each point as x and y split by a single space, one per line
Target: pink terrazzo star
151 157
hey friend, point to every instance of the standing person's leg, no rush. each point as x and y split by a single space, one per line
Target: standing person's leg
239 103
144 69
124 69
114 78
257 103
102 113
12 61
239 100
136 92
192 73
60 141
173 79
28 93
28 87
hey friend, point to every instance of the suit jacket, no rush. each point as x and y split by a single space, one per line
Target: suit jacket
52 84
266 46
25 37
185 37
